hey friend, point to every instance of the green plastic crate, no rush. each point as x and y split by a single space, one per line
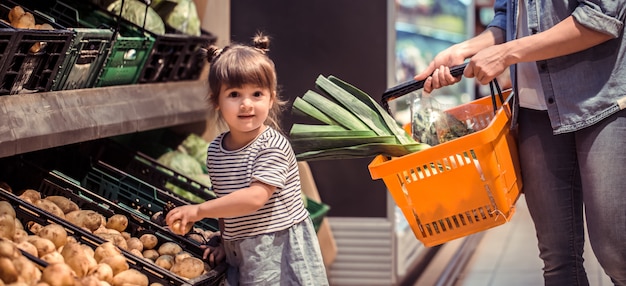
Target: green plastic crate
130 46
317 212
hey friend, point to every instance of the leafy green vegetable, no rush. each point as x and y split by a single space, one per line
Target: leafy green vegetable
136 11
181 162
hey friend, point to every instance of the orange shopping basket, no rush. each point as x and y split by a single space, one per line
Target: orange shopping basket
462 186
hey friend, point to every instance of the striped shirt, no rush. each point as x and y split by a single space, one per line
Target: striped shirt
268 159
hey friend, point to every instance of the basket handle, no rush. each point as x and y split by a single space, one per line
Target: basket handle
412 85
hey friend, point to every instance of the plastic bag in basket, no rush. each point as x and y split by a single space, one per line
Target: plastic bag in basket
430 124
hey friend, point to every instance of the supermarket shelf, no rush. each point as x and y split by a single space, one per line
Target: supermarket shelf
37 121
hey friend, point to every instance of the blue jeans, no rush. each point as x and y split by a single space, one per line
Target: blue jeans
565 175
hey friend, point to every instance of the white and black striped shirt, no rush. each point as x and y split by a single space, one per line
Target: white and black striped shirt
268 159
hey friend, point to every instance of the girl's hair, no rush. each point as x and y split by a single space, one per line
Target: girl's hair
237 65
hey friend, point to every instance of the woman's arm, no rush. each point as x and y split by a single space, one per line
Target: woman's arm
565 38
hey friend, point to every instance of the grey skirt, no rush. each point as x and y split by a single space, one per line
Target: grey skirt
288 257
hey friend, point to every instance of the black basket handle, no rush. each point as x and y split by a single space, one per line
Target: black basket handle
412 85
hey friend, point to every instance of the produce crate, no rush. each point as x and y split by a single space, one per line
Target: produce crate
129 46
8 37
27 212
133 193
154 173
29 69
151 171
462 186
317 212
176 57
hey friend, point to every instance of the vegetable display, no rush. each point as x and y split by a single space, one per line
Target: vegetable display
353 125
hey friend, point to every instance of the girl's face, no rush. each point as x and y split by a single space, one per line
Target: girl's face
244 109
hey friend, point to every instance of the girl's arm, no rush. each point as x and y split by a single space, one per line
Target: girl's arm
237 203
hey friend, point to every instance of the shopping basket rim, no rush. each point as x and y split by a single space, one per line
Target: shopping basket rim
382 166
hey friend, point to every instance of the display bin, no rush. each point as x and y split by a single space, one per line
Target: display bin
462 186
8 37
27 212
129 45
317 212
151 171
154 173
176 57
35 57
133 193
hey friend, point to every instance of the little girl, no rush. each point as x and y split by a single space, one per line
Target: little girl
268 237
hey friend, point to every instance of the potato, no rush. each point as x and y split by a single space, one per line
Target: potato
105 250
189 267
117 239
34 227
118 263
103 272
65 204
55 233
7 208
150 254
181 255
26 21
30 196
170 248
178 228
88 281
49 207
136 253
126 235
7 226
44 245
149 241
130 277
88 219
53 257
9 250
134 243
15 13
20 235
28 271
76 258
165 261
58 274
118 222
8 273
28 247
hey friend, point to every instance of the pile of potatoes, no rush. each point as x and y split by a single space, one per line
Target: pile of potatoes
18 18
105 265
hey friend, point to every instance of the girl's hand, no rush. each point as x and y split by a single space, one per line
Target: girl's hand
214 254
182 215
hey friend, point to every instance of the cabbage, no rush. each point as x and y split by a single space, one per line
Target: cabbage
182 17
134 11
196 147
181 162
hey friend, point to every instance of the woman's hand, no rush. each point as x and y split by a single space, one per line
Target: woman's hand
437 74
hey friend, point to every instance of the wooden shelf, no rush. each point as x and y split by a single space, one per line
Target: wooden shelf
31 122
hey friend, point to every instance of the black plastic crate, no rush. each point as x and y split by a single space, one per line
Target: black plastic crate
151 171
26 212
8 37
123 188
129 45
52 183
27 69
176 57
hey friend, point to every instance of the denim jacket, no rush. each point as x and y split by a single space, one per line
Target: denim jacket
585 87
